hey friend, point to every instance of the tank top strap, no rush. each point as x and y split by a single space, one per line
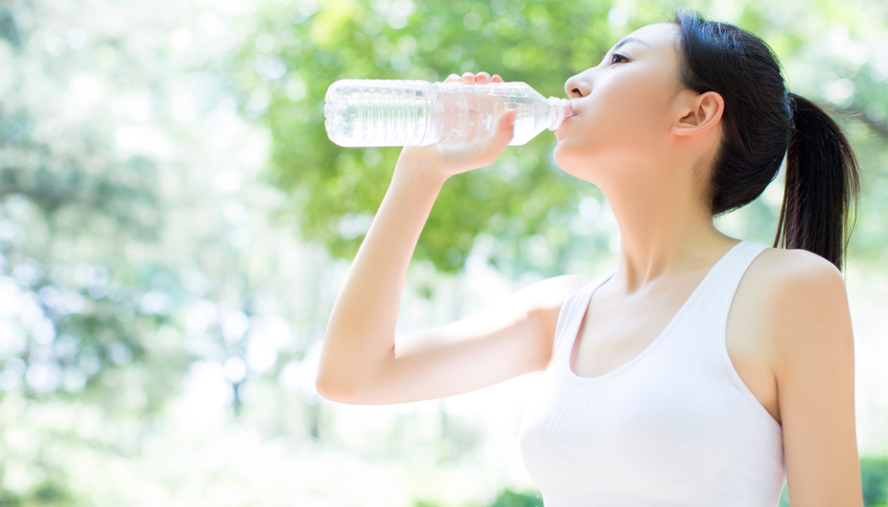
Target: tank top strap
717 290
571 311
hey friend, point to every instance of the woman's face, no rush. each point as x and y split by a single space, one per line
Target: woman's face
625 107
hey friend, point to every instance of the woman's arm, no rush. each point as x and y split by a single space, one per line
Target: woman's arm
360 335
810 327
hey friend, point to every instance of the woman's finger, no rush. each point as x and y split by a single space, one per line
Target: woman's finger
505 131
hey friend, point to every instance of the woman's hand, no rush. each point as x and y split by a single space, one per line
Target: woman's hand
443 161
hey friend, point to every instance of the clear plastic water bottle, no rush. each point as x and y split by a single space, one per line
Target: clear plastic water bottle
387 112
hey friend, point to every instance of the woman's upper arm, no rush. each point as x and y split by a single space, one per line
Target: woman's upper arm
501 341
814 366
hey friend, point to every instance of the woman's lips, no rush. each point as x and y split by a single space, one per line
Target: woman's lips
567 115
569 110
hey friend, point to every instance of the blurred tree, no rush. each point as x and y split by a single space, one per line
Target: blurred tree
70 208
509 498
128 253
135 264
874 477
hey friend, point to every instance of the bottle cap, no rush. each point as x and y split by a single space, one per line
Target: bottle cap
562 109
568 110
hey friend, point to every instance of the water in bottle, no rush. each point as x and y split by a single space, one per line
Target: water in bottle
386 112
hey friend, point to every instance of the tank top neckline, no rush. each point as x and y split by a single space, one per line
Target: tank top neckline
587 294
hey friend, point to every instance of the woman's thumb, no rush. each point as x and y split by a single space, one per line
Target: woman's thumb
505 131
507 124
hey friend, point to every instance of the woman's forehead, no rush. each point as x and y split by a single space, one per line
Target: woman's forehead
657 40
655 35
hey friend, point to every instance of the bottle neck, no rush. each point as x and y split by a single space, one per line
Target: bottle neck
559 109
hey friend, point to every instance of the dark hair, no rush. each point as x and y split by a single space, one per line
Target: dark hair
762 121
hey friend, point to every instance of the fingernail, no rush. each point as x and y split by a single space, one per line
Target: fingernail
512 119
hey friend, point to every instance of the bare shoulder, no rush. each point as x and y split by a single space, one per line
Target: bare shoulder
545 299
547 296
795 266
790 283
794 282
788 293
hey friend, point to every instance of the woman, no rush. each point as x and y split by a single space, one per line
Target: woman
702 369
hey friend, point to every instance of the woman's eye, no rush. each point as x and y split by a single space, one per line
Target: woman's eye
618 55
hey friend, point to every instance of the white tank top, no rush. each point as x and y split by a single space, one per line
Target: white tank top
675 426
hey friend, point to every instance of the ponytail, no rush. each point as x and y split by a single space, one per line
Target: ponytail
822 180
763 124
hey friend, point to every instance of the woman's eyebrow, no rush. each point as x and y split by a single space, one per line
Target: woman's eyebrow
627 40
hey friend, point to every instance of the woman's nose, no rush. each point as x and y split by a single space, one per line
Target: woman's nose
574 88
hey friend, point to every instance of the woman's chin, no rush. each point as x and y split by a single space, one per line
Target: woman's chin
582 168
565 154
565 162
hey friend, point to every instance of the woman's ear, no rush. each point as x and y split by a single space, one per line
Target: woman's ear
699 112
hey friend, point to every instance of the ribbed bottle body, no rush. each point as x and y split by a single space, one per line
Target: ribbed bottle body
383 112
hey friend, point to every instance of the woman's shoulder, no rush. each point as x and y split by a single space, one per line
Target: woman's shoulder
784 290
549 295
785 301
787 268
787 284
